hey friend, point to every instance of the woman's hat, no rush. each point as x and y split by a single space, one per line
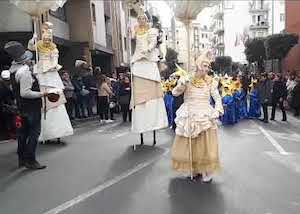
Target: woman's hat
17 51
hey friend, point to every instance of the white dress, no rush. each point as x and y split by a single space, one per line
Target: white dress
149 113
56 124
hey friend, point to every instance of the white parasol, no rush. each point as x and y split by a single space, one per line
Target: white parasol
187 11
36 8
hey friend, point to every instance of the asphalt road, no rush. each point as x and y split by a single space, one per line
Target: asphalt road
97 171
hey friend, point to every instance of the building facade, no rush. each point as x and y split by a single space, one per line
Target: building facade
236 21
292 25
92 30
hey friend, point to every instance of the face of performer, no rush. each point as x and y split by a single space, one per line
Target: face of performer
47 40
203 68
142 20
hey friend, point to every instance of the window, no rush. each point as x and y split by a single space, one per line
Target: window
60 13
94 12
282 17
125 43
196 31
253 19
108 25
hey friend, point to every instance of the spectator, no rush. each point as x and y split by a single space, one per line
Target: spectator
265 94
80 93
7 106
69 93
125 94
290 84
279 96
295 104
90 85
104 92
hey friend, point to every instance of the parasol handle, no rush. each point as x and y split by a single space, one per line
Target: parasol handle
35 20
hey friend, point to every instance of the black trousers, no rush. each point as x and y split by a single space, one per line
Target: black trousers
265 111
70 105
103 107
281 106
125 111
28 135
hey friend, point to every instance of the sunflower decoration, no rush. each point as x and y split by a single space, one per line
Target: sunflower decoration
170 83
253 82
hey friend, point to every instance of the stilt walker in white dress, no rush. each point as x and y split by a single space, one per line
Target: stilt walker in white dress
148 108
55 121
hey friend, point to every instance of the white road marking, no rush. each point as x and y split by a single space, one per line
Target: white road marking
103 186
292 161
120 135
277 146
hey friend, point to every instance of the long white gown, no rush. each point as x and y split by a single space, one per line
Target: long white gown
149 112
56 123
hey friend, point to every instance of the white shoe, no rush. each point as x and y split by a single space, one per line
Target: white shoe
109 121
207 178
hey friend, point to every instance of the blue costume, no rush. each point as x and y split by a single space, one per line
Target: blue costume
243 104
237 99
169 103
255 107
229 116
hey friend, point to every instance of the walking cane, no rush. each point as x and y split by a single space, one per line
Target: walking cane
187 25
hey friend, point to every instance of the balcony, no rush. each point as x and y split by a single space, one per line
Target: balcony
259 26
219 15
220 45
108 41
219 31
258 8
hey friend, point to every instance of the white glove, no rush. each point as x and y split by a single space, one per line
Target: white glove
183 80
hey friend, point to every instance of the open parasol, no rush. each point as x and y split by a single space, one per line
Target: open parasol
35 8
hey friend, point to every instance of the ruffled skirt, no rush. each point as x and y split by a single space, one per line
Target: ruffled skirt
205 153
191 120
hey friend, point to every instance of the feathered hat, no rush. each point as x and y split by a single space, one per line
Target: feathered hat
206 56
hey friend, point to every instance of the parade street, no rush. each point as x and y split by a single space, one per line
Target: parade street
97 171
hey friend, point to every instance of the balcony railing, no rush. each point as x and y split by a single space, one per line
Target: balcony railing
261 25
219 30
258 8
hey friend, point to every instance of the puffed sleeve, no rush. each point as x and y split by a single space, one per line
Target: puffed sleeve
152 39
214 92
180 87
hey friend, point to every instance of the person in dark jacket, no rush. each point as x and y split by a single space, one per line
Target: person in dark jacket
28 95
124 98
295 104
279 96
80 93
90 83
265 86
